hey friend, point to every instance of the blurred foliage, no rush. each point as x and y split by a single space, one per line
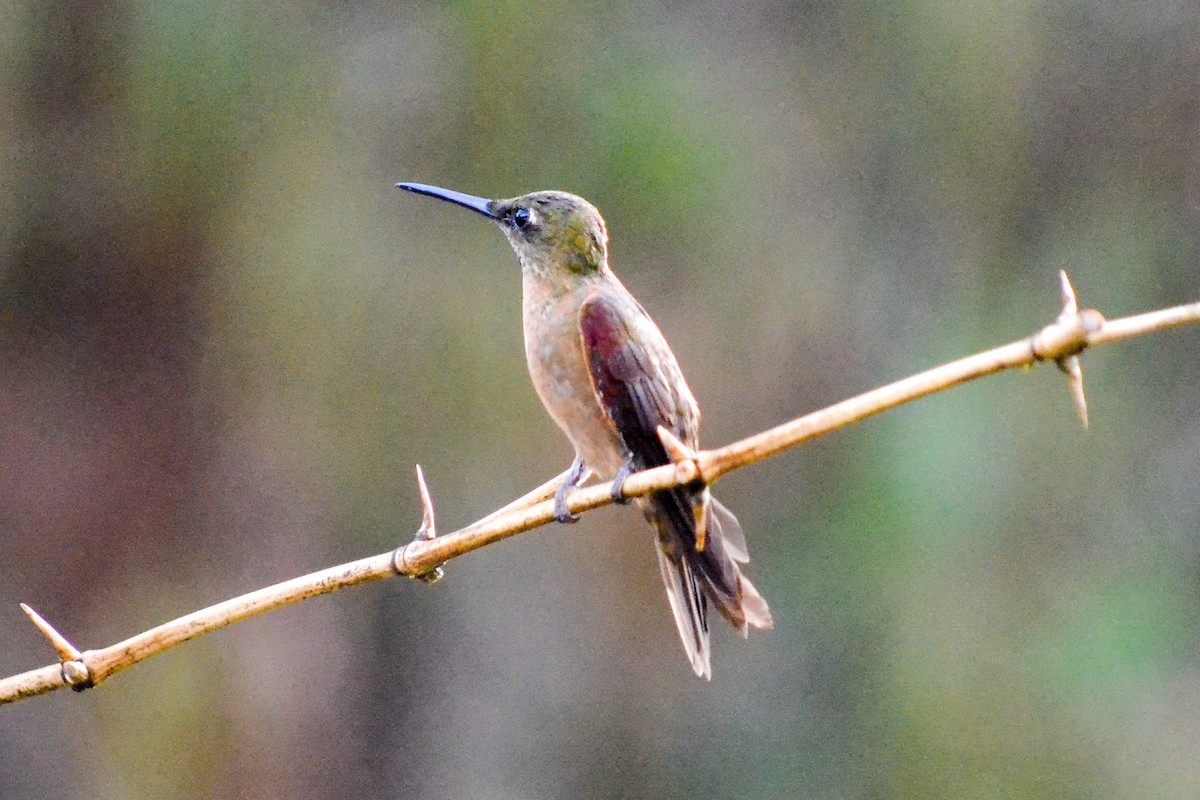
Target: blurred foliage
226 339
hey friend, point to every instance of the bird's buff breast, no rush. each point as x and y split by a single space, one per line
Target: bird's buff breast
554 353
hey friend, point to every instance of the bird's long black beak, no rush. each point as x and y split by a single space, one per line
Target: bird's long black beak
479 204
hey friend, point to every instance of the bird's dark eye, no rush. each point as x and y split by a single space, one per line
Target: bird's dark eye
521 218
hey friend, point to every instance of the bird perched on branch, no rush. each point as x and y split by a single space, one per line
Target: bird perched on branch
608 378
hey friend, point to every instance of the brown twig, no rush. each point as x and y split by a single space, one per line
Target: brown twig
1059 342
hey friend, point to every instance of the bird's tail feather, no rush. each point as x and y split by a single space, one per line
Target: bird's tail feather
693 577
754 608
690 611
724 525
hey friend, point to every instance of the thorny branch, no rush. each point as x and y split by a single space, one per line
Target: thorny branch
1061 342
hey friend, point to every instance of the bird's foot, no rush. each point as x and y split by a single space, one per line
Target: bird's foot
561 512
618 483
574 476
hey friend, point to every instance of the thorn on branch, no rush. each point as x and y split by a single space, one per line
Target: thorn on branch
1067 291
425 533
1074 370
687 468
1063 340
74 672
66 651
428 529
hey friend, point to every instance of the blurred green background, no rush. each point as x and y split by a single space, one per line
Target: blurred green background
225 339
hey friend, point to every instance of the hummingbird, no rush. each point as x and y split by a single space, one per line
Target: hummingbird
608 378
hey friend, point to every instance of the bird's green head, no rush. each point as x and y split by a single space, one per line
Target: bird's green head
553 233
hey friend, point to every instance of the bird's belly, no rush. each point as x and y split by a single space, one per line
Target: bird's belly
562 381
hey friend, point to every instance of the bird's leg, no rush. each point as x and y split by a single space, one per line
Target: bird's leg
618 482
574 476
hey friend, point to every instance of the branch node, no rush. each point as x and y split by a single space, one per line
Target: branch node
401 565
687 468
427 532
76 675
1063 340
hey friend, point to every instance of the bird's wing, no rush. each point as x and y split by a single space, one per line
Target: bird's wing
640 387
635 377
638 384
